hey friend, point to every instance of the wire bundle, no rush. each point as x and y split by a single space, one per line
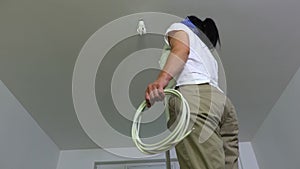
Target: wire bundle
179 132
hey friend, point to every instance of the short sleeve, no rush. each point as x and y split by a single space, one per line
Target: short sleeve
176 27
182 27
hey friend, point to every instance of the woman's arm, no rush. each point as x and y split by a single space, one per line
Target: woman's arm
179 43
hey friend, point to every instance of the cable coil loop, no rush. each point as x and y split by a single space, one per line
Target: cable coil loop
179 132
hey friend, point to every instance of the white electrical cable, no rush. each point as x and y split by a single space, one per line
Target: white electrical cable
179 133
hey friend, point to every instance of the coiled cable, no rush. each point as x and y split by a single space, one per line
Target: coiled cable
180 131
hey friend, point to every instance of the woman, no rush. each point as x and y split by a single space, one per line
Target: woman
213 143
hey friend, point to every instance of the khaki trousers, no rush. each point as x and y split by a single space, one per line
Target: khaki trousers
213 143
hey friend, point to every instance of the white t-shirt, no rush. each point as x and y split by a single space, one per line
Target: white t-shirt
201 66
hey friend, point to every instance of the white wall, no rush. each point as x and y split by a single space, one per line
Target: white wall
85 159
23 144
277 142
247 156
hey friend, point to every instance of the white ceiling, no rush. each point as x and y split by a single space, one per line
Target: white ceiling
40 41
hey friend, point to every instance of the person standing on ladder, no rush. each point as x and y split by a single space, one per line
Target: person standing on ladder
195 69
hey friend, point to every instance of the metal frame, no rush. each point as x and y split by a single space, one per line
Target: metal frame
126 162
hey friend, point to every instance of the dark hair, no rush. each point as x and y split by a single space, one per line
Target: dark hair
208 27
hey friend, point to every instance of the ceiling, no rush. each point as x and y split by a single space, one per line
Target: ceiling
41 40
